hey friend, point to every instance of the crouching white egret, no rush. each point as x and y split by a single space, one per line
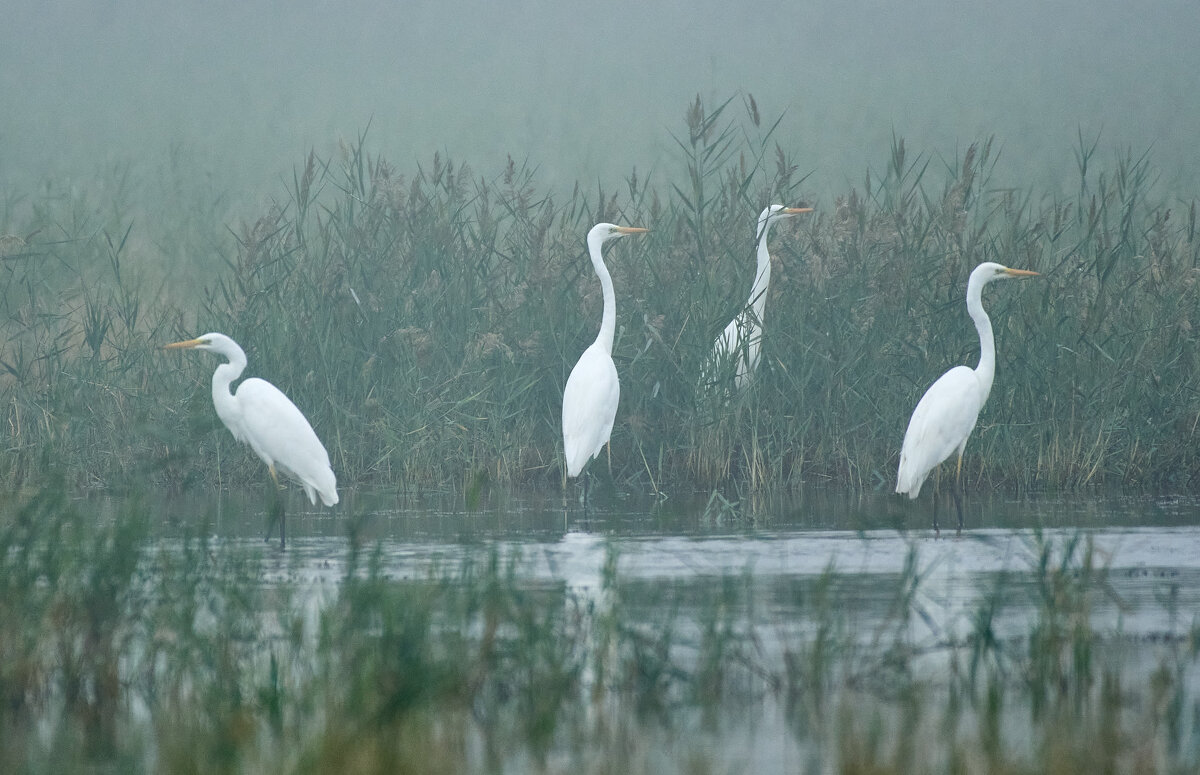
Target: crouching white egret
593 389
736 350
945 416
259 414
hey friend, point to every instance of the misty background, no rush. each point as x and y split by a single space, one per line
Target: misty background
230 95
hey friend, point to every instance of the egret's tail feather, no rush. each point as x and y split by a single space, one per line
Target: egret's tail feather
908 483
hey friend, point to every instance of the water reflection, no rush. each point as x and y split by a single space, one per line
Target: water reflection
787 576
1150 547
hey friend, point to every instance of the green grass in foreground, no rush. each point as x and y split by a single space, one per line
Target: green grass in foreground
425 320
123 653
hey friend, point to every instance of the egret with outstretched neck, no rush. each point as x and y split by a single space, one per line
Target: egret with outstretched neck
593 389
946 415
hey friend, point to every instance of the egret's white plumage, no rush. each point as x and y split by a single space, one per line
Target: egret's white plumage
737 348
946 415
259 414
592 390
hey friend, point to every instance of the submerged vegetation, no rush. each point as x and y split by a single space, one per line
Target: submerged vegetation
123 652
425 321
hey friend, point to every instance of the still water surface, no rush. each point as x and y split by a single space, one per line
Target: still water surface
1149 545
673 557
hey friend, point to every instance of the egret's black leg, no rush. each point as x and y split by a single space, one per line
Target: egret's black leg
275 511
587 485
958 496
274 514
937 492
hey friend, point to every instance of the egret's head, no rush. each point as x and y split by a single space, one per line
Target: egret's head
603 232
990 270
199 343
214 342
775 213
779 212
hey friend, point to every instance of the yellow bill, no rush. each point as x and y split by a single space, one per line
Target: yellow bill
183 345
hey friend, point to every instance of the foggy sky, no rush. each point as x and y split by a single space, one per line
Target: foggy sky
588 90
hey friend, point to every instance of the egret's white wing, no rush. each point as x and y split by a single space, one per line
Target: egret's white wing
589 407
281 435
942 422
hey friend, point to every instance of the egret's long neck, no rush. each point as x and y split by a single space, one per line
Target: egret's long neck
608 322
222 379
762 274
986 370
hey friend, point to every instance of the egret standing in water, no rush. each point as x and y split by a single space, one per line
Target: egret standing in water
260 415
592 391
945 416
736 350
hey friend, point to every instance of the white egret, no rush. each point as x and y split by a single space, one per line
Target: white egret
736 350
592 391
945 416
259 414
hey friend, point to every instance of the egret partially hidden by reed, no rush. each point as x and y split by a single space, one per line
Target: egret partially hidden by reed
735 353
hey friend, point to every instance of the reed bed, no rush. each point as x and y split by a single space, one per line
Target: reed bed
426 319
123 652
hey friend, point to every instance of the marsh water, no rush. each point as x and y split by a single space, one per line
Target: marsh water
673 558
690 539
1148 546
